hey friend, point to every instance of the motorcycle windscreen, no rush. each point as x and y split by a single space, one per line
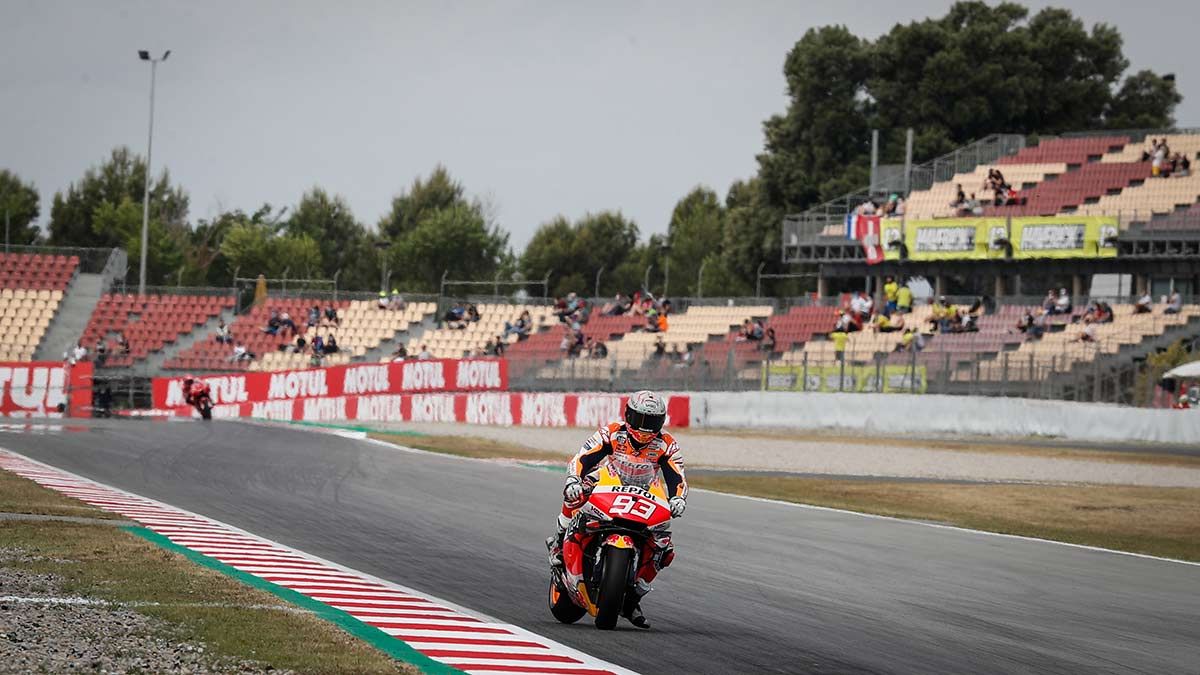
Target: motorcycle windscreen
633 472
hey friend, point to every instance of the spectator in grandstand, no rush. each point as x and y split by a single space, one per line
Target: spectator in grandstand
660 348
950 319
1025 322
861 308
300 346
1174 303
314 316
499 347
973 207
687 358
675 356
885 324
318 345
939 313
1088 334
223 335
867 208
960 199
424 354
768 343
76 354
101 353
331 316
1185 166
577 340
1183 403
272 327
1144 304
240 353
331 345
599 350
122 343
285 321
1038 327
382 302
843 323
906 340
472 313
520 328
890 291
839 338
1062 304
1050 302
454 318
400 353
904 299
652 321
618 306
396 302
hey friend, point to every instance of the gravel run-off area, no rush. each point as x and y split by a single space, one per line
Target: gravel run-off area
841 458
41 631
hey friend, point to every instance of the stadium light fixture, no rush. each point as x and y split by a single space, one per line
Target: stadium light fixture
144 55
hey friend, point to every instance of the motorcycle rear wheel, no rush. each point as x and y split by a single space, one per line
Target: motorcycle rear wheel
561 605
613 582
206 412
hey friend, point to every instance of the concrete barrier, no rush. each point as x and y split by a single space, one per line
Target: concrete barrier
886 414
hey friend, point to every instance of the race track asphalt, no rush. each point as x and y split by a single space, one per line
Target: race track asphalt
757 587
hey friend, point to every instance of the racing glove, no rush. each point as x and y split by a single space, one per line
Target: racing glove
677 506
573 491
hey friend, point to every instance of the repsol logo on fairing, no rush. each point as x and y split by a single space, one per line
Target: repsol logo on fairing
478 375
631 489
298 384
420 375
366 380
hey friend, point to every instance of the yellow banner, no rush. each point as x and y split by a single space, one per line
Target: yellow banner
1064 237
897 379
983 238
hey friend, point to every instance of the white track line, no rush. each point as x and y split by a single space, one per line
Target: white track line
441 630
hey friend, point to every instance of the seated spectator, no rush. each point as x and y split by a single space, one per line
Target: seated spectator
906 341
285 321
382 302
960 199
314 316
122 343
487 348
300 346
575 348
1038 328
1104 312
400 353
950 320
424 354
455 317
521 328
652 321
688 357
331 316
498 347
675 356
223 335
744 332
1144 304
660 348
662 322
886 324
843 322
331 345
904 299
76 354
599 350
272 327
1088 334
472 314
1025 322
1050 301
240 353
318 345
972 207
1062 305
768 343
396 302
861 307
1185 167
867 208
1174 304
101 353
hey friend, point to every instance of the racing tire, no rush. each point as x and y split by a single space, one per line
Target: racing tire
206 412
613 581
561 605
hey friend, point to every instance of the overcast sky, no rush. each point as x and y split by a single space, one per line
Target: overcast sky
540 107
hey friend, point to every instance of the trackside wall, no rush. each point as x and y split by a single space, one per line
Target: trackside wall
891 414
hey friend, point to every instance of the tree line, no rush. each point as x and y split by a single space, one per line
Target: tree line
976 70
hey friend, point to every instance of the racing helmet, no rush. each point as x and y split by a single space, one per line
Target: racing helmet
645 413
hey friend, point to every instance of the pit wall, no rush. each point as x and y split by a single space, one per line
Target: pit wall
925 414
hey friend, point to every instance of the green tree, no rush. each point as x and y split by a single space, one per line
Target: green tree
752 238
696 230
423 198
19 205
455 241
573 253
117 179
1145 101
121 224
343 241
257 248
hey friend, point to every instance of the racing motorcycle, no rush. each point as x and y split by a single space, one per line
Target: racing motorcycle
625 503
203 404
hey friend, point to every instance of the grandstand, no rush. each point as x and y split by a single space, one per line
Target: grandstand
452 343
33 286
148 322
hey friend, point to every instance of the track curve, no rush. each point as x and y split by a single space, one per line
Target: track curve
757 586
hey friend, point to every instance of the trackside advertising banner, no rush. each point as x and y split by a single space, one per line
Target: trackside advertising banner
983 238
435 375
37 389
833 378
494 408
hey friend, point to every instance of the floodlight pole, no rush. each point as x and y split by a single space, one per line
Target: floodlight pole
145 56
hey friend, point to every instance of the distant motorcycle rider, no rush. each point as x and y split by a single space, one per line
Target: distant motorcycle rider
640 435
195 390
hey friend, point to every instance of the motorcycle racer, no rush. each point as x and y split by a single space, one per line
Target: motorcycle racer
639 435
195 390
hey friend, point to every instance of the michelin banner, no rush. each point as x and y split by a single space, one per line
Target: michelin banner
985 238
895 379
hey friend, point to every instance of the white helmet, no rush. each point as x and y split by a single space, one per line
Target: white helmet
645 414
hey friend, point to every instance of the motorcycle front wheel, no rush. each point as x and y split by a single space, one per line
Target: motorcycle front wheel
613 581
561 605
206 412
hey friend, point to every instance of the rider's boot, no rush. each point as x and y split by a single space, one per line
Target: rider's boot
554 542
633 604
